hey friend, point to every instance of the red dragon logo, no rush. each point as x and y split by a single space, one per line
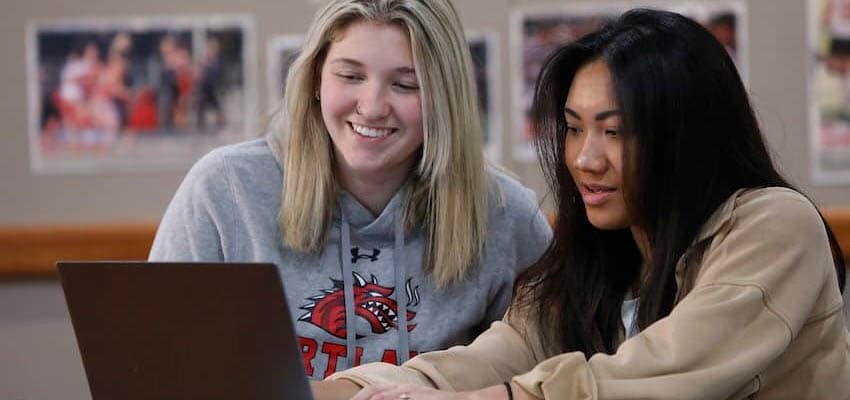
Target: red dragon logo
371 302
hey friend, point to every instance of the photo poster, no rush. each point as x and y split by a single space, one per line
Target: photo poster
130 94
538 31
281 52
829 91
283 49
485 61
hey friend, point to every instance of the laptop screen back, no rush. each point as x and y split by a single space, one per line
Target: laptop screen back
183 330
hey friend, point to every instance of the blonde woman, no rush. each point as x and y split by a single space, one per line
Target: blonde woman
371 194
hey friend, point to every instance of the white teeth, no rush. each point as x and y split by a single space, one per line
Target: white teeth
598 189
370 132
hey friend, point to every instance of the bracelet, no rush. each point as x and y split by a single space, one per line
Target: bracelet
510 391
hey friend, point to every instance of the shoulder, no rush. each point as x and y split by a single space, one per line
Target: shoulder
515 215
783 209
251 151
775 227
253 155
247 160
773 240
506 192
776 207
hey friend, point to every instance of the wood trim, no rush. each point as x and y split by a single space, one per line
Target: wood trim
32 251
839 222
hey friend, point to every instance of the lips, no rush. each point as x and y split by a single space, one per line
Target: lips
595 195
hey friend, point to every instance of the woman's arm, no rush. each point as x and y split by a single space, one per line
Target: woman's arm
328 390
496 356
333 389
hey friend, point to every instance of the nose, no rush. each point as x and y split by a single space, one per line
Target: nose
591 154
372 103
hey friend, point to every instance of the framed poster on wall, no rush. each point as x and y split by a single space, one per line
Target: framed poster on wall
537 31
137 94
281 51
829 91
485 61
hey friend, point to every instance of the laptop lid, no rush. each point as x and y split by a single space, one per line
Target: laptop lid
183 330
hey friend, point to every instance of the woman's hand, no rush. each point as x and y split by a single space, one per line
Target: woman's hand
406 392
413 392
340 389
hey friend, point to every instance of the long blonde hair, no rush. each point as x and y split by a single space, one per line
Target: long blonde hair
449 187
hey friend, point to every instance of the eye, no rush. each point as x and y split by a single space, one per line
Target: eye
572 130
349 77
612 132
407 86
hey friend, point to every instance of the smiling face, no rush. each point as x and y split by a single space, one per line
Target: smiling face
594 146
371 103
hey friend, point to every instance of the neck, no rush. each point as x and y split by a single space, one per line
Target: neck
374 191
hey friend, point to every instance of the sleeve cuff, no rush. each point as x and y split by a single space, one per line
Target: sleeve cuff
565 376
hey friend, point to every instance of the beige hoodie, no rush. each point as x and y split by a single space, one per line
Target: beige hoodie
759 315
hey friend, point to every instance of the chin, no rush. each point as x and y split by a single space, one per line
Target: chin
606 223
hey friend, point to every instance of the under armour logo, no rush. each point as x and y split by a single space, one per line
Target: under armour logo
355 255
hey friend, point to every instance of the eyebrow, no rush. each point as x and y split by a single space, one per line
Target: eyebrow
351 61
599 117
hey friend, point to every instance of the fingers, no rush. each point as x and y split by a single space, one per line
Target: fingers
393 392
373 392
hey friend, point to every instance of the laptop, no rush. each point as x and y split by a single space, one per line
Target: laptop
183 330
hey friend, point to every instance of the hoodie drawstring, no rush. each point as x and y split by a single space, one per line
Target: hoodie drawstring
348 292
400 288
402 298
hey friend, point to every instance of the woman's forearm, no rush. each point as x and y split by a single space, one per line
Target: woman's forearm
340 389
500 392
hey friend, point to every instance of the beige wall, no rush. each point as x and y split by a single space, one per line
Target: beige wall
38 356
777 82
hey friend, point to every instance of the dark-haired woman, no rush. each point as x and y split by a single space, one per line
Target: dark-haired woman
683 265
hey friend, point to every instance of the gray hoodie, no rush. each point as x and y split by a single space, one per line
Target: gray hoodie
346 301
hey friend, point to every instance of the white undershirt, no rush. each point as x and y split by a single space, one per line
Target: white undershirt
629 315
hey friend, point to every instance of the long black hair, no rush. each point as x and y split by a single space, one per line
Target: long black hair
695 142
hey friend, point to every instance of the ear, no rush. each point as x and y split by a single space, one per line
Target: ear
317 84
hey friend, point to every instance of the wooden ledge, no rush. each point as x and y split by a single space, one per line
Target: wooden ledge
32 251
